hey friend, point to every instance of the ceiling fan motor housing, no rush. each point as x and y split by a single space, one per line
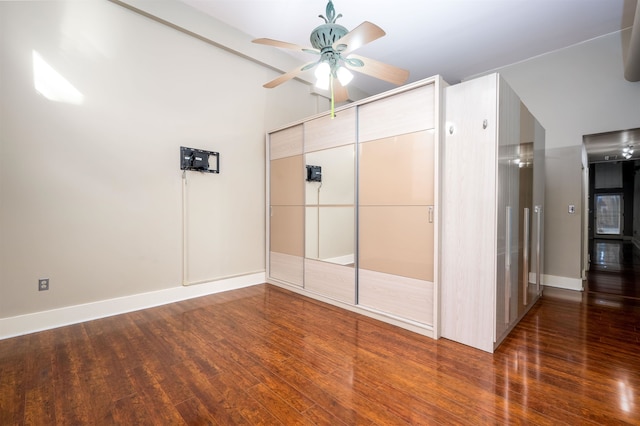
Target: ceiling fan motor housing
327 34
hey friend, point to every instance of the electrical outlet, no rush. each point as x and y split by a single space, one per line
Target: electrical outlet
43 284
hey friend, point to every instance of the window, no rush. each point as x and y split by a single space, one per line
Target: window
609 214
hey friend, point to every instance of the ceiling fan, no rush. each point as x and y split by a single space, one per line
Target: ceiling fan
335 44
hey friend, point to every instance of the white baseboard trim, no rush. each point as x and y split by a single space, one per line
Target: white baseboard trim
45 320
562 282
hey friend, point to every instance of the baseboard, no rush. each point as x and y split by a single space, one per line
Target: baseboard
562 294
45 320
562 282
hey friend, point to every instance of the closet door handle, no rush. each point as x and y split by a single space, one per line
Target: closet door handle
430 214
538 211
507 266
525 258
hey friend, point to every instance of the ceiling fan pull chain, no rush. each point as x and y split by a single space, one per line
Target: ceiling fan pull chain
333 114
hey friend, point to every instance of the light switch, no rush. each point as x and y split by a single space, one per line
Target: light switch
572 209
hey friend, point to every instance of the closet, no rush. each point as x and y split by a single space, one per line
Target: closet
421 212
493 186
353 206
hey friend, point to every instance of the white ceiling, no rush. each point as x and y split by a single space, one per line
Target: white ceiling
456 39
453 38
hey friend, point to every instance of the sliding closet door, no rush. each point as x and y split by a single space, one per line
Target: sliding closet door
396 205
286 195
330 206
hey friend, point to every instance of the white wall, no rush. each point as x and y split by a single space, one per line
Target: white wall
573 92
91 191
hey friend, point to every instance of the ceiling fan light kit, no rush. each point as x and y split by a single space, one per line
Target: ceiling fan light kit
334 43
323 74
344 76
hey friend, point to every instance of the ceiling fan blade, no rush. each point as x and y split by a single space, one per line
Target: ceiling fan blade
340 93
358 37
284 45
288 75
380 70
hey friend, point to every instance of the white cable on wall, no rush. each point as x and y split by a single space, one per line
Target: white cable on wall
318 222
185 280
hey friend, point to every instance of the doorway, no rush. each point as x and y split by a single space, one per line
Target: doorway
613 204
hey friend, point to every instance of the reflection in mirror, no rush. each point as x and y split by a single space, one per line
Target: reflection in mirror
329 219
525 160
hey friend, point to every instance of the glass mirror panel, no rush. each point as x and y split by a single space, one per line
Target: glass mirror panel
527 212
329 218
329 235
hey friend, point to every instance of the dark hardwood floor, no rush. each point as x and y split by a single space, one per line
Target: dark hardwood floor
263 355
615 268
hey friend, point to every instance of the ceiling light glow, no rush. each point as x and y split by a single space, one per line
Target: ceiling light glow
344 76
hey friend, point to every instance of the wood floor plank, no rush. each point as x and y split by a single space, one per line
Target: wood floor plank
307 380
130 410
12 389
194 413
254 373
414 410
161 409
237 403
176 387
70 405
40 405
320 416
211 396
343 388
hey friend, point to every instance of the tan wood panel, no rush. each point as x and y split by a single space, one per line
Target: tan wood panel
287 230
404 112
396 240
326 132
405 297
287 181
286 142
398 170
285 267
331 280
